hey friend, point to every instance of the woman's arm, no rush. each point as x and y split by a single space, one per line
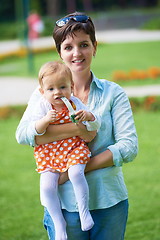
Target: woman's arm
63 131
102 160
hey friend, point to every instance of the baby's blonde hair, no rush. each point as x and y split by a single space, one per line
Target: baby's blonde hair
57 68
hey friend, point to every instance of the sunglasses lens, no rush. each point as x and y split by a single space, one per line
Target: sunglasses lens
81 18
78 18
62 22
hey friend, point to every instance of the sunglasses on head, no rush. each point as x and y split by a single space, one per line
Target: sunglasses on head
78 18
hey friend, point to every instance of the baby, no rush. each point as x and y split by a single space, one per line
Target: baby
70 154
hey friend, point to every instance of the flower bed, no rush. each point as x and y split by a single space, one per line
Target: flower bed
23 52
149 103
152 72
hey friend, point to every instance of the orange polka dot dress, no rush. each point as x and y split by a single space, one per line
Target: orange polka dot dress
60 155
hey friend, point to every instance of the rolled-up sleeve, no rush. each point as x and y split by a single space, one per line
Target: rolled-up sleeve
93 125
125 148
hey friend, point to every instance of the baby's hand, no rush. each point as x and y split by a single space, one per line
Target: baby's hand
83 115
51 116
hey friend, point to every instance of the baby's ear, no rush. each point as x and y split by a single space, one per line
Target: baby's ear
41 90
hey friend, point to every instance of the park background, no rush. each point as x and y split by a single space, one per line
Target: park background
131 64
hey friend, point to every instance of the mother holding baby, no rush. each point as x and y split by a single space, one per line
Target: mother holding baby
115 143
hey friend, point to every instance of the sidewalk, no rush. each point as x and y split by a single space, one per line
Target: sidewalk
12 90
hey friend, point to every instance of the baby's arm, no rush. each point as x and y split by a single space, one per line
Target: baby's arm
83 115
42 124
91 120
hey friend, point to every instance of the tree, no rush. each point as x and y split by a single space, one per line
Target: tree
87 5
52 8
71 6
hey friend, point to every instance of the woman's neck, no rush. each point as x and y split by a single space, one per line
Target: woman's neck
82 85
82 81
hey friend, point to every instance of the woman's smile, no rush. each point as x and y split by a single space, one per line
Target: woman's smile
78 62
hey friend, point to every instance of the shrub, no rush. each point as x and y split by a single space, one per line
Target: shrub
12 111
149 103
152 72
153 24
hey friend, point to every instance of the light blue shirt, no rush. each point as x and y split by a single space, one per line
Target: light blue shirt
117 133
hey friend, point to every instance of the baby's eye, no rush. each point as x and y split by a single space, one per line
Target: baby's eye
50 89
62 87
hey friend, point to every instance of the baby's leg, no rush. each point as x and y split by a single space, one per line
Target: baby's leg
49 199
76 175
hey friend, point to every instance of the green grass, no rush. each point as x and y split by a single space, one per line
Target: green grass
109 58
125 57
21 212
142 179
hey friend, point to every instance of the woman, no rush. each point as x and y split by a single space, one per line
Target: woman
114 144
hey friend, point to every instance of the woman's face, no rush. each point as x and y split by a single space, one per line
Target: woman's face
77 51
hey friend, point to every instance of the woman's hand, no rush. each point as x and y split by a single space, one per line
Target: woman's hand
63 177
87 136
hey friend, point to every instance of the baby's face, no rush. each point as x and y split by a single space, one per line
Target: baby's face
56 87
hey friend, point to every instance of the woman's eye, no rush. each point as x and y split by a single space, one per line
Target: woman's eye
68 48
84 45
62 87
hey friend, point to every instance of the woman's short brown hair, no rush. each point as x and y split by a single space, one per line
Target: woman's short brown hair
60 33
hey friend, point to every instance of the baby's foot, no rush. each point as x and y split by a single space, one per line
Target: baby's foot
60 231
86 221
61 236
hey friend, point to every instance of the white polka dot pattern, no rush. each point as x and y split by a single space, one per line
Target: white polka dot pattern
60 155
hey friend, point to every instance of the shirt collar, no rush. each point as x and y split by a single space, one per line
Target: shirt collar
96 81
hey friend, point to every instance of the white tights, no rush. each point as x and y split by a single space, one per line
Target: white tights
49 199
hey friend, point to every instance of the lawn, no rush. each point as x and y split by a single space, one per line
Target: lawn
21 213
109 58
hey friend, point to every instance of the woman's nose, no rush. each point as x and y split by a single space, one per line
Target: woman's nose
76 52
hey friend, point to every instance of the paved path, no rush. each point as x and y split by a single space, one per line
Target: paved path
15 91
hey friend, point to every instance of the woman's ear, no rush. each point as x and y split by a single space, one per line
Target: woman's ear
95 49
41 90
72 87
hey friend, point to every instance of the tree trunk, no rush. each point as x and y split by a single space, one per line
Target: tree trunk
52 8
71 6
87 5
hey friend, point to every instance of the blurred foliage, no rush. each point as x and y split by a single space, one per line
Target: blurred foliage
153 24
12 111
9 31
48 26
13 30
8 7
149 103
